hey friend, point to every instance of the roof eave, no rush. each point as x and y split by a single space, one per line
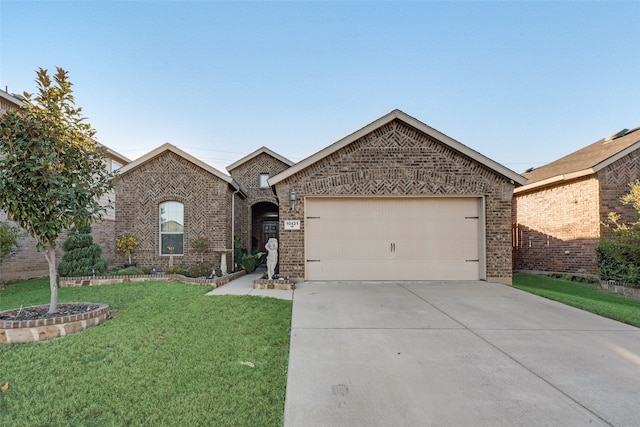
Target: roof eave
411 121
554 180
257 153
170 147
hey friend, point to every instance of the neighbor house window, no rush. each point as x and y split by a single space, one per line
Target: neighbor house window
171 228
264 183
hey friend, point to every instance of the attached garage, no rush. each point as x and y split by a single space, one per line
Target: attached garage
393 238
396 200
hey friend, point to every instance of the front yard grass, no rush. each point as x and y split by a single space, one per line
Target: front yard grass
170 356
581 295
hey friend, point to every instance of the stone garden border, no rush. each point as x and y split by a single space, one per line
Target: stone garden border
69 282
23 331
618 288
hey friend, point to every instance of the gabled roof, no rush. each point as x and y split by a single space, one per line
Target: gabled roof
256 153
399 115
169 147
586 161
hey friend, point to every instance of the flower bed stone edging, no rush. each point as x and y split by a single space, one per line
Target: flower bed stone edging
23 331
614 287
280 284
69 282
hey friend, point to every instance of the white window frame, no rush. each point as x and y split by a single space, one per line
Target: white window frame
165 251
264 180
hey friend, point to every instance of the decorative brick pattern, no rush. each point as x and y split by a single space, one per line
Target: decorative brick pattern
393 160
169 177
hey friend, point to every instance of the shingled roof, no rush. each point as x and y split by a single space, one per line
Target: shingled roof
585 161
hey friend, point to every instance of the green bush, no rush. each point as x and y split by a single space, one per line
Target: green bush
9 236
199 270
130 271
177 269
82 257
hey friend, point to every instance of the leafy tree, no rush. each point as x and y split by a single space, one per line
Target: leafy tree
82 257
52 171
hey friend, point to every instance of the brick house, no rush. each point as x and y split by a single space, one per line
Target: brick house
396 200
559 213
252 173
26 262
168 199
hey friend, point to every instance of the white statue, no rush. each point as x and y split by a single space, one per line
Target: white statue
272 256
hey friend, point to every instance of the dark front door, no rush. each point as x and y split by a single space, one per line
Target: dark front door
269 230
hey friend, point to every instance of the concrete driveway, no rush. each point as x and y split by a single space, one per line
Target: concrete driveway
455 354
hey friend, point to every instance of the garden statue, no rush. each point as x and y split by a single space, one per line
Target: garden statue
272 256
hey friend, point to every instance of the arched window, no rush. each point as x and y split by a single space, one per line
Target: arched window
171 228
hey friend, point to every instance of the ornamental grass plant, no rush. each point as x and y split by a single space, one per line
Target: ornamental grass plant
169 356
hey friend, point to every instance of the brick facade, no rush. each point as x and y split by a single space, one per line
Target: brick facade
558 226
207 209
396 159
247 174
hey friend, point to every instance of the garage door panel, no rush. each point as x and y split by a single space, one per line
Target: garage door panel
393 238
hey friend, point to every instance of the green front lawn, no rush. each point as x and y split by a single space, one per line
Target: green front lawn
170 356
581 295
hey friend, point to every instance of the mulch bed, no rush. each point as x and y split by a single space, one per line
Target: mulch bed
41 311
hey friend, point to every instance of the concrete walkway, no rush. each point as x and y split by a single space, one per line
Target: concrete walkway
455 354
244 286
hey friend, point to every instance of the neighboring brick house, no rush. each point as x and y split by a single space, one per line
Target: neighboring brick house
26 262
396 200
168 199
261 215
560 212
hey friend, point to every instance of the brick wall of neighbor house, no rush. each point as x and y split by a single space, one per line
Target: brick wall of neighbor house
169 177
398 160
558 227
26 262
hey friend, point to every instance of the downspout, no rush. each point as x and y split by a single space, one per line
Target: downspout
233 228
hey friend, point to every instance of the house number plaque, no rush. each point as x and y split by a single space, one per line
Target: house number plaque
292 224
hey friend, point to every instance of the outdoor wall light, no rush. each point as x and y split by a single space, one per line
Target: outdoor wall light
293 197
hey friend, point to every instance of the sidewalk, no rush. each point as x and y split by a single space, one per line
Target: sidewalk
244 286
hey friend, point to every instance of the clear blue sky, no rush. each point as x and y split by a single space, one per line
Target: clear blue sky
523 83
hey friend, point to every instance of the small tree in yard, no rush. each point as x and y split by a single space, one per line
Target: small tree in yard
52 172
619 255
82 257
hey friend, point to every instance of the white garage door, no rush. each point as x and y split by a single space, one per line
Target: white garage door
397 238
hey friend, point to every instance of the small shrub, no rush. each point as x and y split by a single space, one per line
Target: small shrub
130 271
82 257
199 270
126 244
9 236
176 269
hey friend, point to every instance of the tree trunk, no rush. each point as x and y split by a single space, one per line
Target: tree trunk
50 255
